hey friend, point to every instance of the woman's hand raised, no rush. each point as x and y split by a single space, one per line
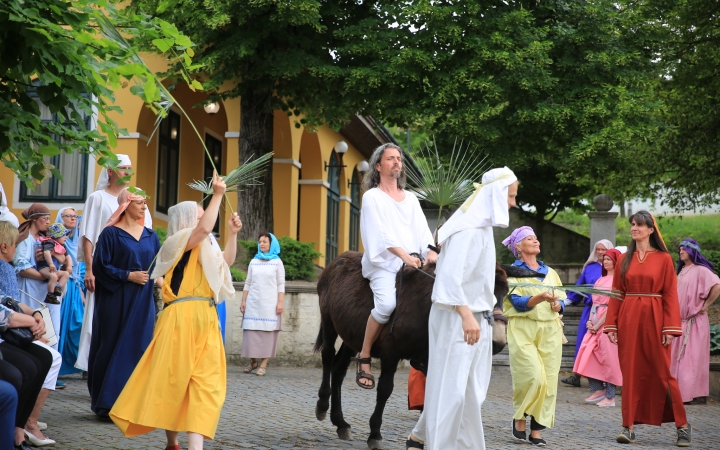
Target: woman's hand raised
218 184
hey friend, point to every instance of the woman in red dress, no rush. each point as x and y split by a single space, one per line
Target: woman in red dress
643 325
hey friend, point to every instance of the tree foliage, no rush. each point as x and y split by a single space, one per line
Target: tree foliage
67 56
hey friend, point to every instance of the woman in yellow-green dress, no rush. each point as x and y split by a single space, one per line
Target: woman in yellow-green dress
535 339
179 384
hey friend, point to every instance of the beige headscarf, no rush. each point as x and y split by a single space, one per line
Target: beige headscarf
182 220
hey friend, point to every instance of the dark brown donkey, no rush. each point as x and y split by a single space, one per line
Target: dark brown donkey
345 304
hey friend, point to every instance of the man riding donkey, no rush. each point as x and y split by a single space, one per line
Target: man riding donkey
460 324
392 226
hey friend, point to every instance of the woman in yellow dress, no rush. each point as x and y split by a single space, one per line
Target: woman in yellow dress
179 384
535 338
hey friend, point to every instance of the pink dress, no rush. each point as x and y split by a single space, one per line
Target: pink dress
597 357
692 368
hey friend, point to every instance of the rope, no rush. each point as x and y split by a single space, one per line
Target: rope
399 289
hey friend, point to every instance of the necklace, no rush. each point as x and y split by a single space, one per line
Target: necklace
684 270
642 260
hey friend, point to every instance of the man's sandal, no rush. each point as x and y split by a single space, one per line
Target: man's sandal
252 367
361 374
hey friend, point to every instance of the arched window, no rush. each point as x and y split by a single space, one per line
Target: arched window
333 209
355 212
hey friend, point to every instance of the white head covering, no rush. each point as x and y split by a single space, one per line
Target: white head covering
5 214
593 256
182 221
486 207
621 248
104 180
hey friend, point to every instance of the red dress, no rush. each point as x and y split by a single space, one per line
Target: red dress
650 310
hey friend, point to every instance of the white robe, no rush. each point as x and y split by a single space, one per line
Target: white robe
385 223
98 208
265 280
458 373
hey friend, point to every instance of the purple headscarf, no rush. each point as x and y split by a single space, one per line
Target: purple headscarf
517 235
693 250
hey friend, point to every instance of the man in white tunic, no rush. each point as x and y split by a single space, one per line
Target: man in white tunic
460 334
392 226
99 206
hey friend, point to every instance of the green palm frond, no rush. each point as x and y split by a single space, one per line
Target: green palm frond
584 290
247 174
446 185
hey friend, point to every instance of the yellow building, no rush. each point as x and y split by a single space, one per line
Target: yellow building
314 200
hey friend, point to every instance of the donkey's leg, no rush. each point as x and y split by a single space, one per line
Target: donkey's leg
329 336
339 370
384 389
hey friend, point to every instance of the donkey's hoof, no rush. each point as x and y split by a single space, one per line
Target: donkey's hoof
345 434
321 415
375 444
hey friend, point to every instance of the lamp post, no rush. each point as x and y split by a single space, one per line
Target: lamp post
212 108
340 148
362 167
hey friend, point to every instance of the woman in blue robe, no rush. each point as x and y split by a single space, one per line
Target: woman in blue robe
73 307
592 271
124 315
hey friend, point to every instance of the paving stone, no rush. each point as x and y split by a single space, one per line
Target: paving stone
278 411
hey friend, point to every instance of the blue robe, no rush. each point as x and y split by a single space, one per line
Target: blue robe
124 315
72 308
590 275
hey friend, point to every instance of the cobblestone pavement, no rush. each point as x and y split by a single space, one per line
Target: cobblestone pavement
277 412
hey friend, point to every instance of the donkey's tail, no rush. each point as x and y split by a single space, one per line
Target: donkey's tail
319 341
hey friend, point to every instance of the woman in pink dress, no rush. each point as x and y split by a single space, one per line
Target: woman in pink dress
698 288
597 359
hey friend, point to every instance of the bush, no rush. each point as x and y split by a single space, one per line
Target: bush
297 257
714 339
237 274
714 257
162 234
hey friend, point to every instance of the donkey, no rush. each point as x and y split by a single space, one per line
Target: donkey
345 303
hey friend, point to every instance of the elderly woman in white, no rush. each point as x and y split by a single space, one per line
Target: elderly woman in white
263 304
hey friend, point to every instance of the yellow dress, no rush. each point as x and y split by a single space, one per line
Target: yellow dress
180 382
535 341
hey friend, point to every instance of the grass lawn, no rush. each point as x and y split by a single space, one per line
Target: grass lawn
703 228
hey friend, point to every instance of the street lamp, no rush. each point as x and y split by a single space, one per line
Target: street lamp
362 167
212 108
340 148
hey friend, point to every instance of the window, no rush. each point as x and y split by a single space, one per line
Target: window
72 166
168 162
355 212
215 147
333 209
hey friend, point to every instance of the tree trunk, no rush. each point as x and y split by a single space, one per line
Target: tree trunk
255 203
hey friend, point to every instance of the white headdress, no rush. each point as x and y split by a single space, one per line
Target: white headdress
486 207
104 180
593 255
5 214
182 220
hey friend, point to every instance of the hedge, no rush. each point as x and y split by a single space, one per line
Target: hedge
297 257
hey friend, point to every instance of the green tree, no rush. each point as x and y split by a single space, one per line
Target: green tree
70 56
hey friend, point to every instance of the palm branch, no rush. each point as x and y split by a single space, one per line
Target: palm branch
445 185
584 290
247 174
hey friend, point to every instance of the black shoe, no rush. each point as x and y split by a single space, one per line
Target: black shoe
683 436
537 441
519 435
84 375
409 443
23 446
58 291
50 299
697 401
572 380
627 436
